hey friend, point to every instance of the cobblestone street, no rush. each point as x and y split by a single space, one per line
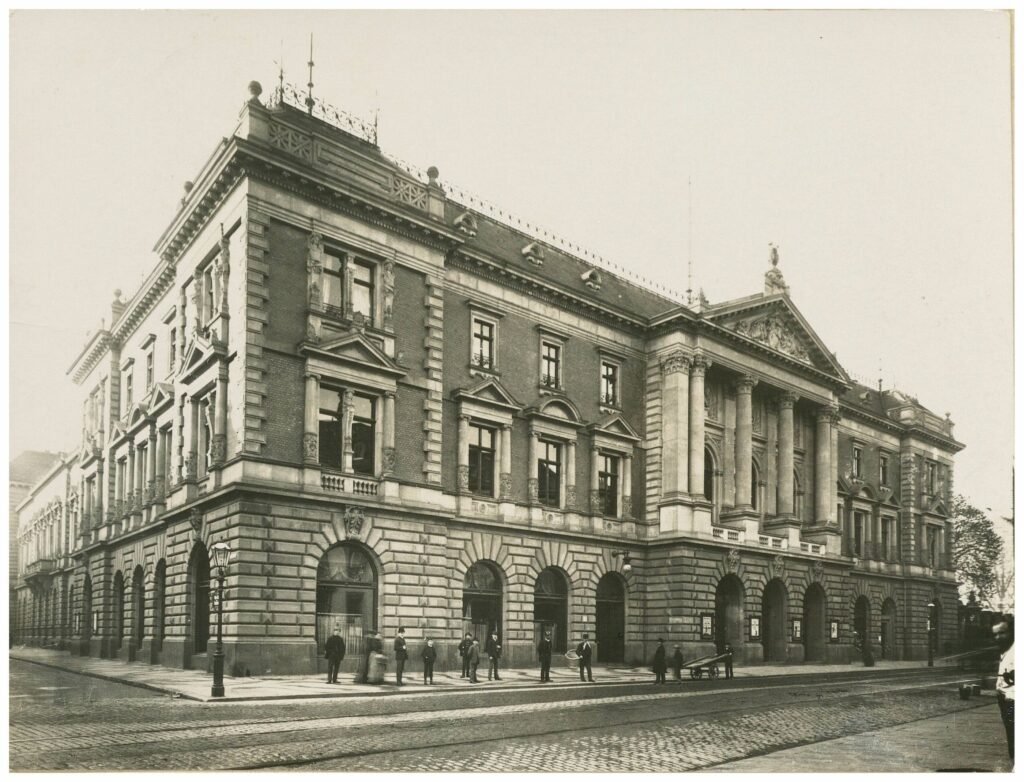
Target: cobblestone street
62 721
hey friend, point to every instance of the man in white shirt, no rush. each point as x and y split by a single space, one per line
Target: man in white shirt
1004 682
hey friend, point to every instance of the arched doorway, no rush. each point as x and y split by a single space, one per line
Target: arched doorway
117 595
729 613
481 601
888 650
611 619
199 597
159 599
87 619
138 606
773 622
861 622
551 607
346 597
815 625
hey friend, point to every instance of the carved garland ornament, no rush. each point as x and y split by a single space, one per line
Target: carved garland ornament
771 331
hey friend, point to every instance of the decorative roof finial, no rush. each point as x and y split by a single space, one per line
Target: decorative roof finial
309 93
255 90
774 284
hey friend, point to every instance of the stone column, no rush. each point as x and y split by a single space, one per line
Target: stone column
388 452
191 459
532 484
744 442
626 509
347 415
834 467
505 476
698 367
310 422
675 400
98 504
140 478
595 481
823 468
161 466
463 453
219 451
151 465
129 493
785 477
570 476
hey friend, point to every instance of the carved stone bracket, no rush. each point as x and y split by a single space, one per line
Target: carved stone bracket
311 446
388 461
778 566
732 560
818 571
354 522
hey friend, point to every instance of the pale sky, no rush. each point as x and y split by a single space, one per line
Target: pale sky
872 147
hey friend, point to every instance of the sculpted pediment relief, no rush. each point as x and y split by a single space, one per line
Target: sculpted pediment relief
771 330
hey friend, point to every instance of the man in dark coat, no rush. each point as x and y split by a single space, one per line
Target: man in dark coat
585 650
493 651
429 657
474 660
544 653
401 655
334 651
727 651
659 663
464 647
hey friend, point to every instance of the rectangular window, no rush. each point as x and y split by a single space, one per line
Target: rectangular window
362 289
149 370
483 343
608 484
933 545
481 460
883 470
609 384
172 350
330 418
332 279
208 295
549 474
364 440
858 534
886 538
932 470
858 461
551 365
128 389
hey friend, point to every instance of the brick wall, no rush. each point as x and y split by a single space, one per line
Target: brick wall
285 405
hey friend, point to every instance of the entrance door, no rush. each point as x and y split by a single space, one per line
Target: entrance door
729 614
773 630
611 619
199 586
861 623
815 630
551 607
888 649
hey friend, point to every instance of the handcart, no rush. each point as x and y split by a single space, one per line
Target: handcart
707 664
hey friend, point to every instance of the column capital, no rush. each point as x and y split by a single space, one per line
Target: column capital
786 400
506 427
829 414
744 384
676 361
699 364
463 417
389 395
312 376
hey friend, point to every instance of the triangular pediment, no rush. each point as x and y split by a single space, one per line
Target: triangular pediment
775 323
356 349
163 394
199 353
489 390
138 413
616 426
937 507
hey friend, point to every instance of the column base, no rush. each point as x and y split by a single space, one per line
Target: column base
744 518
829 537
683 514
787 526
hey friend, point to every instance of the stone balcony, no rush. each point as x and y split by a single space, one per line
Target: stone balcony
358 485
38 568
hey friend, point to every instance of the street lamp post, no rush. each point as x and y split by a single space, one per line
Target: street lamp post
931 634
626 564
220 562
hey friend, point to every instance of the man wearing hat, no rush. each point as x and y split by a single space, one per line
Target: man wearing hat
334 652
401 655
659 663
544 655
585 650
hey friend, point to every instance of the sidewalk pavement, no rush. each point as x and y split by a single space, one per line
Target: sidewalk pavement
195 685
966 740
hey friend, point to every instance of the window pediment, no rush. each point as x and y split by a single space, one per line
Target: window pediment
354 351
558 410
200 354
488 393
615 426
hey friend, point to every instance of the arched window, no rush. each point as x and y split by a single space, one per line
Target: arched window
709 475
481 600
798 497
138 605
118 598
755 480
346 596
159 598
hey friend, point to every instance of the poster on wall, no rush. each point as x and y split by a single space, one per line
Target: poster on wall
833 631
707 627
797 629
755 628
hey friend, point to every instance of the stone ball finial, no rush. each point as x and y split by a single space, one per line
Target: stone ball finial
188 186
432 174
117 293
255 89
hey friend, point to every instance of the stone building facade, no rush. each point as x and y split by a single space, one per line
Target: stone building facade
401 409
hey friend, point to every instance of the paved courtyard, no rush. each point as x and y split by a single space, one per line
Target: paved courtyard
61 720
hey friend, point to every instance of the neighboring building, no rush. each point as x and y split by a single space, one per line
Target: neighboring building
396 409
25 471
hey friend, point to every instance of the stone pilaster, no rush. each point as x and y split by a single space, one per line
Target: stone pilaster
675 401
310 421
433 342
744 440
463 453
823 491
698 368
785 477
